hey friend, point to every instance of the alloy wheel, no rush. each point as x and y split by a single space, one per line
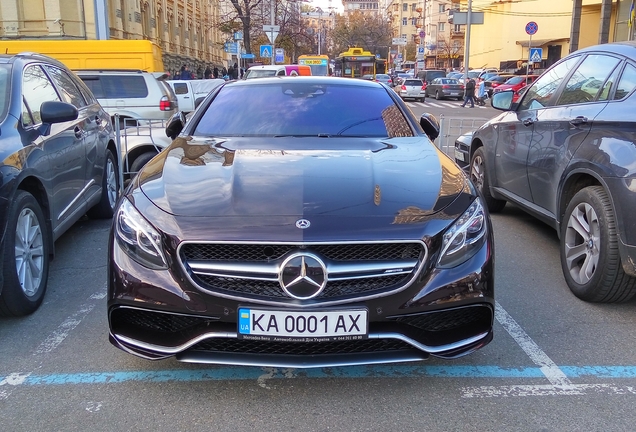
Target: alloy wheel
29 252
477 172
111 182
581 243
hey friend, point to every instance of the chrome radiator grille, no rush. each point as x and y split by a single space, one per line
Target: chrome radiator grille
251 271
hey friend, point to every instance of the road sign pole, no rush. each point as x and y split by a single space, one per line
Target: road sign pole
273 23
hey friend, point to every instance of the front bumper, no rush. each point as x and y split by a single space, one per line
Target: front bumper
161 314
462 151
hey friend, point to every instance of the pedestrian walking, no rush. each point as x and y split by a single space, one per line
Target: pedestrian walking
469 94
230 72
215 72
481 93
207 73
235 74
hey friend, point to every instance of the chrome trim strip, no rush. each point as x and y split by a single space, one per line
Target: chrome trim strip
277 302
79 195
335 271
233 335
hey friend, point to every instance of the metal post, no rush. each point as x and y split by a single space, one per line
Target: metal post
467 42
273 22
529 58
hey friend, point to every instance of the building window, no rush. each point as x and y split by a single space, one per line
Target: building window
440 27
414 21
413 7
405 7
404 21
457 28
442 8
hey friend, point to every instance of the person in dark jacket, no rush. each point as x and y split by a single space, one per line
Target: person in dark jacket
215 72
207 72
469 94
235 72
230 72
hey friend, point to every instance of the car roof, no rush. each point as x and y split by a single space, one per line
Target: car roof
326 80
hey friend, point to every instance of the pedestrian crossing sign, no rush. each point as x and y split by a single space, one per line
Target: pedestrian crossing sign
266 51
536 54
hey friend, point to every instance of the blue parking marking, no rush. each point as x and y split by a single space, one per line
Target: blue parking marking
380 371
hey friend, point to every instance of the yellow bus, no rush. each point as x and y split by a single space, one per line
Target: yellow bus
355 63
319 64
93 54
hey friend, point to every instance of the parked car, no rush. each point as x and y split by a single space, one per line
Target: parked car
514 83
443 88
565 153
131 94
58 163
383 78
495 81
231 246
188 91
413 88
428 75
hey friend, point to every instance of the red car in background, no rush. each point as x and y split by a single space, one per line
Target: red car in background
516 82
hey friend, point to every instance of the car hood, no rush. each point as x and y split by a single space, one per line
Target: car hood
301 177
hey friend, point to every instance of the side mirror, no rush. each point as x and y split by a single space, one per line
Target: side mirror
502 100
175 125
430 124
55 112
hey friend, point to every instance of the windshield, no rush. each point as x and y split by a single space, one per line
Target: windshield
515 80
289 108
5 73
260 73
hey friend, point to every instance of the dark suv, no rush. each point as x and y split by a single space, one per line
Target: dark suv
58 152
566 153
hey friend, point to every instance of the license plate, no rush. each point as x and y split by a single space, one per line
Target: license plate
460 156
454 93
302 326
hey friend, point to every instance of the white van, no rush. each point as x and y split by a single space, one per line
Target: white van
276 70
188 91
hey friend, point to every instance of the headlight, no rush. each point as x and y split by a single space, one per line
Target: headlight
138 238
464 238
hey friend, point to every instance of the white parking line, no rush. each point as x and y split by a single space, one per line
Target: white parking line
52 341
560 384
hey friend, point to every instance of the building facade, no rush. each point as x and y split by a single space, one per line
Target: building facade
186 30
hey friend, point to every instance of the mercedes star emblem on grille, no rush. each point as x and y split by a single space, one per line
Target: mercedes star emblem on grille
303 276
302 223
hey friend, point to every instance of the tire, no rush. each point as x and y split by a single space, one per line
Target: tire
25 257
590 258
437 97
140 161
105 208
480 179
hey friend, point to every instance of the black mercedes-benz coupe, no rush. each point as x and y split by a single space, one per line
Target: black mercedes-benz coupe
301 222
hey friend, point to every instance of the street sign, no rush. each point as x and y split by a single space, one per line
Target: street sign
238 35
247 56
231 47
532 27
399 41
271 31
266 51
420 53
536 54
280 55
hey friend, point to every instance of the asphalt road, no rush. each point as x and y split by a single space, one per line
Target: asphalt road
556 363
